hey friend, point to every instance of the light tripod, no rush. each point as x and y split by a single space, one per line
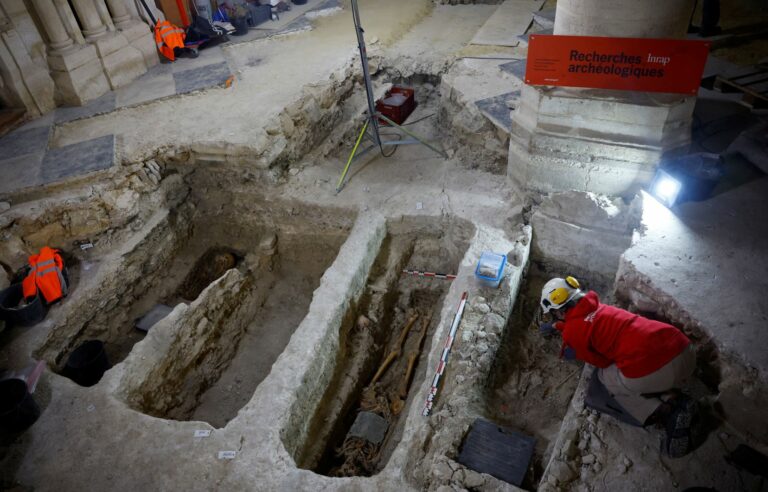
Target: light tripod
371 128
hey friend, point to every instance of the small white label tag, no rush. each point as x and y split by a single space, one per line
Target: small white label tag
419 205
227 455
86 246
202 433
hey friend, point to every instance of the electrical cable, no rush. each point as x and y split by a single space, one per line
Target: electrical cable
394 147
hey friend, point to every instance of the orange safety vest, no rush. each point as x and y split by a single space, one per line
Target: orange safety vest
46 275
168 37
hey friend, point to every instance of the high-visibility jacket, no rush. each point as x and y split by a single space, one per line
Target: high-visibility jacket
168 37
46 276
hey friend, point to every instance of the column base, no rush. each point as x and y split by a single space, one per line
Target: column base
140 37
600 141
78 75
122 62
545 173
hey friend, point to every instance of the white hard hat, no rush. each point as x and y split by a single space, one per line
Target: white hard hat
557 292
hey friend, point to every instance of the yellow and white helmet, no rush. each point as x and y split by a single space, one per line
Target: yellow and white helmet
557 292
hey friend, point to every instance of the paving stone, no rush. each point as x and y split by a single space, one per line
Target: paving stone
207 56
24 141
20 172
78 159
516 68
202 77
497 109
157 85
103 104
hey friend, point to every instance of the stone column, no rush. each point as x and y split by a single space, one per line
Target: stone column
601 140
623 18
93 27
58 39
120 15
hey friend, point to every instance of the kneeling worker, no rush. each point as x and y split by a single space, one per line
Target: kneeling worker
641 362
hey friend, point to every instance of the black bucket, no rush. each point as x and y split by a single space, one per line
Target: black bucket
87 364
17 311
18 409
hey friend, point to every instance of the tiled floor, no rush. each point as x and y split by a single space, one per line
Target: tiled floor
26 159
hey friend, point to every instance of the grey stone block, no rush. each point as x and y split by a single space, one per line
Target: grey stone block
78 159
20 172
516 68
24 141
497 109
103 104
369 426
201 78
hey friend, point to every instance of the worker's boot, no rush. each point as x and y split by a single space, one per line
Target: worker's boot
678 441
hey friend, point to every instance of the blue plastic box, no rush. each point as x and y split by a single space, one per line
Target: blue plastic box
490 269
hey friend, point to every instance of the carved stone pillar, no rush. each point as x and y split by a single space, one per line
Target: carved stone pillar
58 38
93 27
120 15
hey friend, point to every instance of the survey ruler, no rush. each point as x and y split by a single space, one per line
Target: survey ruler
418 273
444 357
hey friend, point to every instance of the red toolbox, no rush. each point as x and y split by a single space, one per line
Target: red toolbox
397 104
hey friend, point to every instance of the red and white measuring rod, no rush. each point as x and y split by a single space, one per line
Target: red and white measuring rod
444 357
444 276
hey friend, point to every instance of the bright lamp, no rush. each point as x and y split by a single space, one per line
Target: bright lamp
666 188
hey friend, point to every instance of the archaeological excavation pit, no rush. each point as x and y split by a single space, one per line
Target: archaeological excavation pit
530 386
383 344
234 281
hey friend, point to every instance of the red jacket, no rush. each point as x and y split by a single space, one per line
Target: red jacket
603 335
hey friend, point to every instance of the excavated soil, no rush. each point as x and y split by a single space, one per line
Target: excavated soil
531 386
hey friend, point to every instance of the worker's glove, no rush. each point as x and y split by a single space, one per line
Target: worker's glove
569 354
547 329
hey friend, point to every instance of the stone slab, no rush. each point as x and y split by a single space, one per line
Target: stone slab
78 159
20 172
369 426
155 84
201 78
511 19
710 258
545 18
515 68
24 141
497 109
104 104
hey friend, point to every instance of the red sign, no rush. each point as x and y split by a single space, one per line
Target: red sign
629 64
